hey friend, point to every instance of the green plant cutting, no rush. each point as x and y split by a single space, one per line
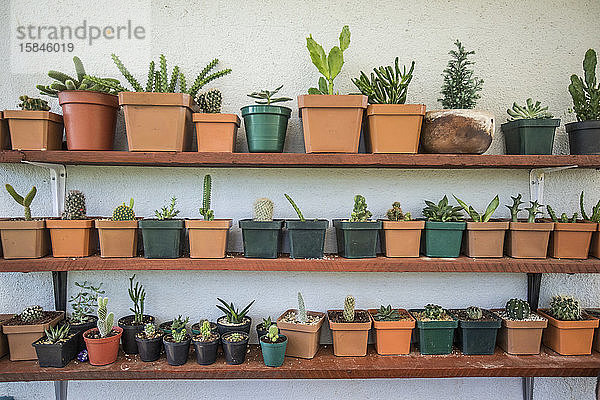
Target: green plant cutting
328 65
475 216
530 111
387 85
586 92
266 96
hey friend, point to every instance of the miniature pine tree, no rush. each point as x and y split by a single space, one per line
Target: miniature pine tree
460 88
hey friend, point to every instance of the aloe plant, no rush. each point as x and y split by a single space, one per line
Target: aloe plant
475 216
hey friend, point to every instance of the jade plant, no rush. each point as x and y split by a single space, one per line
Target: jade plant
265 97
31 314
594 216
387 314
124 212
388 85
273 335
234 315
24 201
348 312
84 302
210 101
178 329
586 92
205 210
328 65
74 205
300 216
563 217
461 88
565 308
530 111
515 208
517 309
137 294
396 214
167 212
57 334
475 216
442 211
33 104
263 210
105 319
474 313
360 212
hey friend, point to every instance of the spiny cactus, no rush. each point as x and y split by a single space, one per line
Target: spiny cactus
295 207
433 312
360 212
178 329
563 217
586 92
167 212
565 308
33 104
24 201
595 217
210 101
105 319
517 309
301 309
395 213
124 212
461 88
530 111
533 210
474 313
273 334
74 205
475 216
349 309
266 96
514 208
149 330
387 314
263 210
55 334
442 211
205 330
205 211
32 314
137 294
388 85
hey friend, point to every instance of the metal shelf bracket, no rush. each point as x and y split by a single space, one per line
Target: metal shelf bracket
58 180
536 181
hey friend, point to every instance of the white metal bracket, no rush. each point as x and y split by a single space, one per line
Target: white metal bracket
58 179
536 181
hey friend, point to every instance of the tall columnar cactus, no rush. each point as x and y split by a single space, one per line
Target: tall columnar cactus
474 313
301 309
137 294
586 92
210 101
300 216
74 205
32 314
360 212
517 309
395 213
105 319
533 210
433 311
565 308
263 210
515 208
24 201
124 212
349 309
33 104
205 211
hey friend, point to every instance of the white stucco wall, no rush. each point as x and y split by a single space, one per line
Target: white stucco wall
524 49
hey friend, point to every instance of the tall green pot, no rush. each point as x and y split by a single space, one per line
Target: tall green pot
162 238
266 126
443 239
262 239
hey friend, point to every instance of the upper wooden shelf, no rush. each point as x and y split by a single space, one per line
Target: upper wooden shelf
299 160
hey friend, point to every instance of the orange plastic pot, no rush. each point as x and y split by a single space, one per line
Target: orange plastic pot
521 337
571 240
24 239
72 238
103 351
349 338
90 119
303 340
394 128
528 239
402 238
21 337
331 123
117 238
569 338
216 133
393 337
208 239
34 130
4 134
485 239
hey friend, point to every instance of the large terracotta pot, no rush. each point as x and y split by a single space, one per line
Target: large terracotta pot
349 338
208 239
103 351
4 134
3 341
21 337
34 130
521 337
457 131
571 240
331 123
24 239
90 119
216 133
485 239
528 239
569 338
402 238
394 128
303 340
393 337
117 238
72 238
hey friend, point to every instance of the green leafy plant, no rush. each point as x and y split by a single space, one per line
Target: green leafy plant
124 212
85 301
395 213
460 89
295 207
360 212
167 212
205 211
530 111
178 329
595 216
517 309
210 101
388 85
586 92
24 201
328 65
302 317
105 319
348 312
475 216
266 96
263 210
442 211
137 294
55 334
387 314
31 314
565 308
234 315
533 210
474 313
563 218
515 208
74 205
273 334
33 104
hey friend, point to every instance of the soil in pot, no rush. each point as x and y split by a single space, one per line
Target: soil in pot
216 132
262 239
394 128
435 336
34 130
569 338
117 238
149 347
528 239
177 353
443 239
402 238
530 136
584 137
130 330
206 350
521 336
234 347
225 327
3 341
273 352
162 238
21 335
303 338
485 239
393 337
357 239
266 126
208 239
571 240
72 238
102 351
80 327
477 336
307 238
349 338
59 354
24 239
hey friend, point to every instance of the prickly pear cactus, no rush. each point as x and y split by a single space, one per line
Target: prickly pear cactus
74 205
433 312
301 309
105 319
474 313
124 212
349 309
517 309
31 314
565 308
210 101
263 210
395 213
33 104
360 212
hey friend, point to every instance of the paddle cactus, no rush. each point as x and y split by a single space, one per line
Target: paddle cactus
360 212
105 319
474 313
74 205
517 309
349 309
124 212
565 308
263 210
32 314
24 201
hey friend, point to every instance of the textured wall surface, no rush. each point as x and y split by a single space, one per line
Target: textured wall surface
523 50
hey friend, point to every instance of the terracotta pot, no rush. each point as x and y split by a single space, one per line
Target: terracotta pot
402 238
303 340
21 337
594 312
349 338
331 123
394 128
569 338
4 134
571 240
216 132
24 239
117 238
90 119
595 244
103 351
158 121
528 239
485 239
34 130
457 131
3 341
72 238
521 337
393 337
208 239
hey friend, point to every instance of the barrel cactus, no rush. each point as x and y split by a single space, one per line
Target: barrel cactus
565 308
349 309
32 314
33 104
74 205
124 212
263 210
517 309
474 313
210 101
433 312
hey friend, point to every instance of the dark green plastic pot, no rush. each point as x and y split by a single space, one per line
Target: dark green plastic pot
530 136
584 137
262 239
266 126
307 239
443 239
435 337
357 239
274 353
478 337
162 238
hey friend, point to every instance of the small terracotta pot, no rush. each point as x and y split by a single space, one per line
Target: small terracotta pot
158 121
90 119
571 239
34 130
485 239
521 337
3 341
103 351
303 340
72 238
208 239
569 338
394 128
595 244
393 337
21 337
4 134
349 338
216 133
117 238
24 239
528 239
332 123
402 238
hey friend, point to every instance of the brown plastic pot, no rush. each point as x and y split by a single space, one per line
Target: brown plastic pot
103 351
349 338
528 239
571 239
402 238
117 238
3 341
303 340
394 128
24 239
521 337
485 239
158 121
569 338
34 130
216 133
595 312
208 239
90 119
331 123
72 238
21 337
393 337
595 243
4 134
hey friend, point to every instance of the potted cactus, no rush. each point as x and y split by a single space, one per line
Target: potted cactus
206 344
530 129
208 238
34 127
571 237
177 343
401 235
119 235
307 237
84 304
235 345
435 328
72 235
263 328
443 229
215 132
134 324
477 330
162 236
357 236
197 327
350 329
261 234
234 319
273 347
393 330
102 342
58 347
521 329
529 238
593 217
393 127
24 237
149 343
303 330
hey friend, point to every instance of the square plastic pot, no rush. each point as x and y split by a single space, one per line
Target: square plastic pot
3 340
530 136
208 239
262 239
216 133
303 340
307 239
594 312
349 338
357 239
266 126
4 134
571 240
569 338
485 239
402 238
162 238
443 239
273 353
528 239
34 130
24 239
57 355
72 238
394 128
584 137
117 238
435 337
478 337
392 337
595 244
21 337
521 337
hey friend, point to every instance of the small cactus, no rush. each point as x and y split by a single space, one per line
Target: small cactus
301 309
205 211
387 314
395 213
300 216
205 330
124 212
565 308
167 212
433 312
149 330
210 101
105 319
273 334
533 210
32 314
586 92
514 208
33 104
349 309
178 329
474 313
263 210
24 201
360 212
74 205
517 309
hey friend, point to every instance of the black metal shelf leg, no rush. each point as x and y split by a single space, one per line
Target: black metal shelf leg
60 390
59 280
534 281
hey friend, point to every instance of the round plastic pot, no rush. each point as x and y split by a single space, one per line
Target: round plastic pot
235 352
117 238
528 239
485 239
571 240
223 328
128 339
216 132
435 337
262 239
530 136
56 355
443 239
34 130
303 340
273 353
521 337
206 352
569 338
584 137
478 337
394 128
72 238
402 238
177 353
208 239
266 126
103 351
80 328
357 239
162 238
90 119
307 239
392 337
149 349
24 239
349 338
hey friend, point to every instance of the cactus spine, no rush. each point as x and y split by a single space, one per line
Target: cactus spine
395 213
33 104
124 212
263 210
205 211
349 309
295 207
24 201
565 308
105 319
360 212
474 313
517 309
301 309
74 205
32 314
210 101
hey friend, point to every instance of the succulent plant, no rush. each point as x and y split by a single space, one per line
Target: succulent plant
105 319
565 308
328 65
32 314
530 111
533 210
84 302
474 313
302 317
586 92
349 309
206 331
124 212
167 212
442 211
295 207
234 315
360 212
395 213
563 216
205 211
266 96
235 337
475 216
388 85
149 329
266 323
178 329
433 312
514 208
33 104
387 314
74 205
595 216
210 101
273 334
24 201
517 309
263 210
137 294
461 88
55 334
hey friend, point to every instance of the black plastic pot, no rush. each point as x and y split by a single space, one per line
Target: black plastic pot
166 327
162 238
307 239
177 353
149 349
130 331
196 328
235 352
80 328
223 329
357 239
260 331
530 136
584 137
478 337
206 352
262 239
57 355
